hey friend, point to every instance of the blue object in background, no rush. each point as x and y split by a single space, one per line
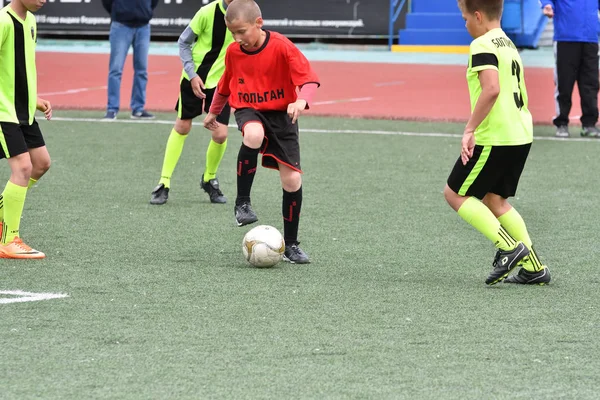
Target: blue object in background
440 23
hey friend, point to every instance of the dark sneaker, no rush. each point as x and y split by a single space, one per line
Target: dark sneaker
110 115
562 131
212 188
160 195
525 277
244 215
590 131
295 255
141 115
506 261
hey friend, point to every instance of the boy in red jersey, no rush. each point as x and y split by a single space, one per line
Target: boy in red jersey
263 70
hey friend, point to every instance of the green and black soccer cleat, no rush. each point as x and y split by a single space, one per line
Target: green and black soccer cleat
506 261
525 277
214 192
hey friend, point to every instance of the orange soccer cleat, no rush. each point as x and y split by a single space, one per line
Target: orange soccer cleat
17 249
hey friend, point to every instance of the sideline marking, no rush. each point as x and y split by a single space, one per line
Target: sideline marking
361 131
73 91
354 100
28 296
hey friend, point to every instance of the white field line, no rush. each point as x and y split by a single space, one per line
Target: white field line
72 91
89 89
28 296
393 83
357 131
354 100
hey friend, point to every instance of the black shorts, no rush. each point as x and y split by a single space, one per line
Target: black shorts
492 169
281 145
189 106
17 139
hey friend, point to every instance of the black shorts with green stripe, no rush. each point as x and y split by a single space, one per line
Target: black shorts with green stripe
17 139
189 106
492 169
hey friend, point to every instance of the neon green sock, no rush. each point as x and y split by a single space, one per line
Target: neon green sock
214 155
481 218
31 182
14 200
172 154
515 226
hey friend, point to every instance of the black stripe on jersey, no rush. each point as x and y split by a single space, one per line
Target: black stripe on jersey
477 60
218 40
21 88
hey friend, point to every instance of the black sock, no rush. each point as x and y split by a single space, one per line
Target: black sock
290 208
246 168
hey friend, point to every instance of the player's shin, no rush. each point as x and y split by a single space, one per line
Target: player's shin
214 155
172 153
13 200
246 169
290 207
481 218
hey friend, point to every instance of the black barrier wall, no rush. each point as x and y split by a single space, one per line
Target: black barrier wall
295 18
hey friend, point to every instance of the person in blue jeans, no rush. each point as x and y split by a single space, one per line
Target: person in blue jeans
576 51
130 26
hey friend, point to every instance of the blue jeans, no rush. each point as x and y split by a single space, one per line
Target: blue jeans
121 38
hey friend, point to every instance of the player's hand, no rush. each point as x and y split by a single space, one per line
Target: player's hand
210 122
548 11
45 107
467 146
198 87
294 109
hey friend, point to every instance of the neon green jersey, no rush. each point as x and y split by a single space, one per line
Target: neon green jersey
213 39
18 77
509 122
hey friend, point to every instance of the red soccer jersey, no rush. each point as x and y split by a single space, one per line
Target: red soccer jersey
265 79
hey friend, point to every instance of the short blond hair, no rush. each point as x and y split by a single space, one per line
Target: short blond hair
245 10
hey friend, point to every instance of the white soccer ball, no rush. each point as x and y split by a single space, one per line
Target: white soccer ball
263 246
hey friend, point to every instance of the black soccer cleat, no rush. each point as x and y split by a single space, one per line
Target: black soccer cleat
160 195
506 261
212 188
244 215
525 277
295 255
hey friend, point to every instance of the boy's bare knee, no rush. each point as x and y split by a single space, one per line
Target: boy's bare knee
254 135
291 180
220 134
183 126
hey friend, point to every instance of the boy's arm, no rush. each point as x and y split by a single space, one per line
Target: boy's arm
490 89
154 4
547 7
185 42
107 4
223 91
307 92
302 74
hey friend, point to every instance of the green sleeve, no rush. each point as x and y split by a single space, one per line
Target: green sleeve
3 28
199 22
483 55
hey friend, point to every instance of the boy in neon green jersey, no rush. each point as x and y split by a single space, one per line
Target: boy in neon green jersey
202 47
21 141
495 145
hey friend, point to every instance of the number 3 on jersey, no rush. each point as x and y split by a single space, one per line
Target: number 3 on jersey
516 72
